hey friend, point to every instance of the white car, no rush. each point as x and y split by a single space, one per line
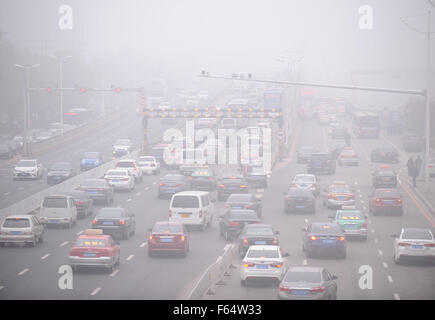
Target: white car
132 167
414 243
28 169
122 147
120 179
263 262
149 165
58 210
306 181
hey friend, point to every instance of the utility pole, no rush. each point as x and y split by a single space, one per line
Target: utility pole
26 113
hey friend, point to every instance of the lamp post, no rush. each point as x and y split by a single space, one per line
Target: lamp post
26 112
61 59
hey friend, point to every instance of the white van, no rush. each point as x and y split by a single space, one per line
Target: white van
194 208
58 210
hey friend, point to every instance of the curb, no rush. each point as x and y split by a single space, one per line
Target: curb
421 197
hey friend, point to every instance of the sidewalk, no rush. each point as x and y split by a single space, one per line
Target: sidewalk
425 191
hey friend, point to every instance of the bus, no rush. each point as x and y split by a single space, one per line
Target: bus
273 99
366 124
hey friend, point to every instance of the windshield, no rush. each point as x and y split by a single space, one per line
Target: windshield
55 203
339 189
16 223
26 163
239 198
110 213
263 253
243 215
418 234
263 231
327 229
389 193
167 228
185 202
61 166
258 170
309 179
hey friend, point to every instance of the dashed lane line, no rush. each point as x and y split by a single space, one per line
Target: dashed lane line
396 296
45 256
23 271
114 273
304 262
80 232
129 199
376 241
93 293
1 288
63 244
380 252
147 188
385 265
130 257
390 279
139 193
143 245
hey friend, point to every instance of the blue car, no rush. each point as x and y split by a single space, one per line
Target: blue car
91 160
324 238
171 184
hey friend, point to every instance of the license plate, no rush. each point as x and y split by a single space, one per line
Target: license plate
237 207
387 202
89 254
185 215
417 246
15 232
300 207
53 221
328 241
166 240
260 242
115 180
108 223
262 266
386 179
23 174
300 292
351 226
231 188
92 192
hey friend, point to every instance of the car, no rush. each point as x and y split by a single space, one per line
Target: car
263 262
256 175
28 169
159 151
352 221
82 201
205 123
94 249
304 154
6 151
59 172
323 238
203 179
121 147
230 184
132 167
332 126
117 222
306 181
385 200
193 208
58 210
168 236
308 283
413 142
149 165
244 201
98 190
232 222
323 119
21 229
120 179
384 177
384 154
336 149
91 160
339 132
193 159
348 156
414 243
321 163
431 167
299 200
256 234
338 194
171 184
228 123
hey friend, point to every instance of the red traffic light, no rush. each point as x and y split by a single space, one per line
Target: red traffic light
49 89
83 90
118 90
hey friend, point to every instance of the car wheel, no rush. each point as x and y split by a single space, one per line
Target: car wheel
243 282
126 235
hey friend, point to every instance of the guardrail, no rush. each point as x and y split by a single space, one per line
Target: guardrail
213 275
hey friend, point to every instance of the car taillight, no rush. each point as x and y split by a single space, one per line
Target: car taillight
340 238
95 221
275 242
351 196
276 265
283 288
364 225
399 200
429 245
122 222
162 184
80 203
234 224
179 185
182 238
243 186
200 213
317 289
221 186
430 166
245 242
404 244
313 238
124 179
378 200
248 264
248 206
134 167
150 237
331 196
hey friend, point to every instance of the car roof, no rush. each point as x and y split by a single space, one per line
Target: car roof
259 225
304 268
267 247
94 236
191 193
18 216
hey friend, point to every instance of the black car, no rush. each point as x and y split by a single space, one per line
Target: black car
244 201
257 234
83 202
98 190
324 238
336 149
299 200
321 163
171 184
233 221
116 222
230 184
256 176
384 177
304 154
60 171
384 154
203 179
6 152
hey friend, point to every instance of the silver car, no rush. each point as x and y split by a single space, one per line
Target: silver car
308 283
120 179
21 229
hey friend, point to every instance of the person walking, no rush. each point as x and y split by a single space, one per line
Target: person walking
418 163
412 171
410 165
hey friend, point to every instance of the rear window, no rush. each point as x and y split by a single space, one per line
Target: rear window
295 192
326 229
232 181
110 213
241 215
264 231
125 164
146 159
387 193
259 253
416 234
259 170
16 223
320 157
55 203
117 173
167 228
26 163
172 179
91 243
239 198
185 202
61 166
77 195
310 179
339 189
91 155
94 183
303 276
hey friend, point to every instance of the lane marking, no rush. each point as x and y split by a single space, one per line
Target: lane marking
380 252
306 220
45 256
147 188
21 188
139 193
373 230
154 182
390 279
385 265
369 221
260 190
114 273
359 191
6 193
1 287
143 245
80 232
129 199
95 291
304 262
376 241
23 272
396 296
130 257
64 243
420 207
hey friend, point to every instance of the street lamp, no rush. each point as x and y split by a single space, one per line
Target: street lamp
26 114
61 59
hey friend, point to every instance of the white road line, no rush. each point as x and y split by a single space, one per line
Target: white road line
6 193
373 230
130 257
129 199
45 256
358 190
63 243
1 287
114 273
260 190
143 245
380 252
154 182
304 262
362 201
385 265
364 208
23 272
360 195
390 279
356 183
139 193
95 291
376 241
147 188
396 296
369 221
80 232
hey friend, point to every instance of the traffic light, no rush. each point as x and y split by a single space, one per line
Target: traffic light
118 90
83 90
49 89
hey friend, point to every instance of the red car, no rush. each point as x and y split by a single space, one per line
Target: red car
386 201
95 249
168 237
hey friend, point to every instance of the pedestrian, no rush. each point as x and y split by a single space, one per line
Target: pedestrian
414 174
410 165
418 163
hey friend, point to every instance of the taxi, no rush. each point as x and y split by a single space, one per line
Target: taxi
384 177
352 221
337 195
95 249
348 156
